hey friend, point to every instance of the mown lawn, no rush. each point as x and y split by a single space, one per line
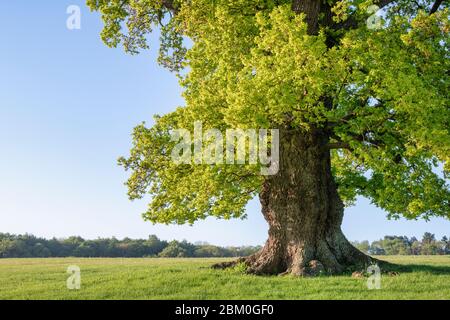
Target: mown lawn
423 277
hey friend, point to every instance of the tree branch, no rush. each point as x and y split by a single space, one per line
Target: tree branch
339 145
168 4
435 6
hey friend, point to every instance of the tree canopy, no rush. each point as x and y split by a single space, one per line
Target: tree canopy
381 95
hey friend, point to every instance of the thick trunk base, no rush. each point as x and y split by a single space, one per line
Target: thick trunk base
327 257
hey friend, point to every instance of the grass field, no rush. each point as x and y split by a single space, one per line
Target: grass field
423 277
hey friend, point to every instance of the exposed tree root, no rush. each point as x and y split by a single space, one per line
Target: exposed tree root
305 262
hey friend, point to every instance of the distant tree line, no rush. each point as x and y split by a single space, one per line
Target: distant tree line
398 245
29 246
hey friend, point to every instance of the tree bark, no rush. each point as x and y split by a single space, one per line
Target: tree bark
304 212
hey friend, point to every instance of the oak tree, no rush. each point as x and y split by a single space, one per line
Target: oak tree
360 101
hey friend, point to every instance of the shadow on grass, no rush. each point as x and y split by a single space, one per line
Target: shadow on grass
390 268
387 267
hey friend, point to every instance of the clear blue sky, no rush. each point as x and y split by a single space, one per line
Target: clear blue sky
67 107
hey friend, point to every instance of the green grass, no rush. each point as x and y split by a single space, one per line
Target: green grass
422 277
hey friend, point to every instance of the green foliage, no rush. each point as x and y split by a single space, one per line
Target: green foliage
177 250
381 95
128 22
240 268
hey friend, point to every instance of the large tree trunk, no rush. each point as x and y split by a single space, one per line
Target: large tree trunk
304 212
